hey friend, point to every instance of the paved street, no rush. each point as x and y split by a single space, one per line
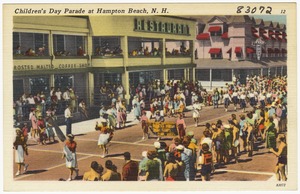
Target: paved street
46 163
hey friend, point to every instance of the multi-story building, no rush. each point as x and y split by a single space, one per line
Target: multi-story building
87 52
225 49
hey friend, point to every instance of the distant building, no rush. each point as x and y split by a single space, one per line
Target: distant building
225 49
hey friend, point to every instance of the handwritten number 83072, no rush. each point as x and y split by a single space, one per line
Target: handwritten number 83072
252 10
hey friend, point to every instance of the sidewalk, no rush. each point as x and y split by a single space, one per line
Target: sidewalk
89 125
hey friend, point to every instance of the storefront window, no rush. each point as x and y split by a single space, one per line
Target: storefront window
178 48
30 44
39 84
144 77
142 47
176 74
202 74
63 81
107 46
69 45
221 75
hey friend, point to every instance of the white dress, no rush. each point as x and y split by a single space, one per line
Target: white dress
196 112
19 154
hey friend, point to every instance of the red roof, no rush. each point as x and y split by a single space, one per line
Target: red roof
229 51
271 32
214 29
238 49
250 50
225 35
214 50
265 37
270 50
203 36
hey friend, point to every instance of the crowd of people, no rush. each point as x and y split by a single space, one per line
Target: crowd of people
262 102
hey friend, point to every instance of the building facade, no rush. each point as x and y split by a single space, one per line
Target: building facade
85 53
225 49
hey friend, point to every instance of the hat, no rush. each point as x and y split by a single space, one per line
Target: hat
70 135
144 154
18 129
227 126
190 133
180 147
156 144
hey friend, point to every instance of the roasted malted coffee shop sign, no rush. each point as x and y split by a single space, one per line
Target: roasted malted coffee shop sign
27 67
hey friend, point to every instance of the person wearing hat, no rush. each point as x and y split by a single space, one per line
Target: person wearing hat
142 167
130 169
186 158
104 137
281 153
71 157
161 152
95 172
206 162
68 119
21 148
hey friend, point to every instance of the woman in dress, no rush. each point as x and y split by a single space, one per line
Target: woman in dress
70 155
21 148
145 120
104 137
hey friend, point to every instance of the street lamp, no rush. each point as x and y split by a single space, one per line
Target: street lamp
259 43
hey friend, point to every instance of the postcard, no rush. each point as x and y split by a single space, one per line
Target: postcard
197 94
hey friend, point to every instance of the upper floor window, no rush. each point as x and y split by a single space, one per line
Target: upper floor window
178 48
30 44
147 47
107 46
215 30
69 45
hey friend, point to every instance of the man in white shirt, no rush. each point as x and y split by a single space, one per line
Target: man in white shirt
68 119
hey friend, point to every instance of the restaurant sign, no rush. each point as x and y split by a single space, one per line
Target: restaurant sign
161 27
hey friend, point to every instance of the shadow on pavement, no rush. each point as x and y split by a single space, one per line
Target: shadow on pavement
81 134
35 171
114 155
245 160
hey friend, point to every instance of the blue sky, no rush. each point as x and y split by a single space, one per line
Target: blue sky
273 18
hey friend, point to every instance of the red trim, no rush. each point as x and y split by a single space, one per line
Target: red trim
271 32
238 49
225 35
229 51
203 36
214 29
214 50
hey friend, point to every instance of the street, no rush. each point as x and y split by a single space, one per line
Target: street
46 163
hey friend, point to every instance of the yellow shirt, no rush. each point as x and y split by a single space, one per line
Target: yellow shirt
110 176
91 175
